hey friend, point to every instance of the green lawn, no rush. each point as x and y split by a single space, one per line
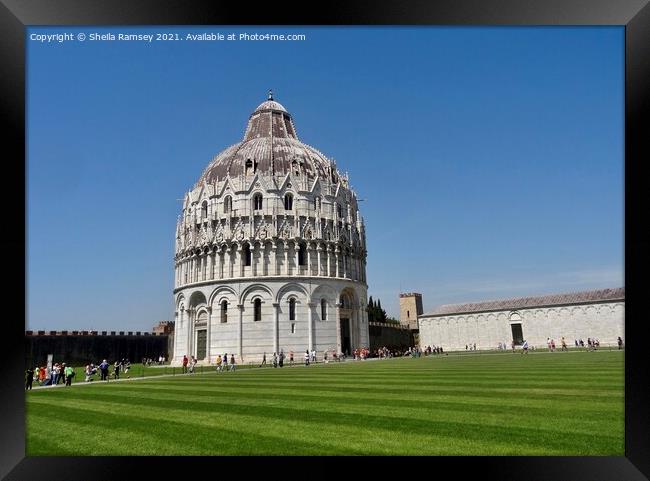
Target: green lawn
567 403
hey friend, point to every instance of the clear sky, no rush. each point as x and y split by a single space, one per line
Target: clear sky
490 159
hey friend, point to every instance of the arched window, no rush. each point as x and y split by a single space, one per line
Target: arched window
227 204
257 311
249 167
224 311
288 202
292 309
247 255
257 202
301 254
323 310
204 210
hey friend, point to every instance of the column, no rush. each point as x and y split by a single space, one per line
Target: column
296 272
345 264
231 261
253 262
274 259
242 262
181 319
309 259
207 335
318 249
276 327
209 274
327 252
189 332
286 258
338 328
336 253
361 326
310 326
241 326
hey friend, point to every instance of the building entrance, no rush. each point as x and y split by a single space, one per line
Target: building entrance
517 334
201 342
346 345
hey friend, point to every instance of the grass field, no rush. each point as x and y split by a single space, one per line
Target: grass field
568 403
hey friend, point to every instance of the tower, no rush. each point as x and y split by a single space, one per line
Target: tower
410 307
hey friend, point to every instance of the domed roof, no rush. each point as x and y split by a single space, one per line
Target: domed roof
270 146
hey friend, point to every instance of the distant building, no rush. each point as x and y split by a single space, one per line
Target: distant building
163 327
410 307
592 314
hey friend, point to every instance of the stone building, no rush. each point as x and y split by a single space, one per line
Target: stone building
410 307
592 314
270 250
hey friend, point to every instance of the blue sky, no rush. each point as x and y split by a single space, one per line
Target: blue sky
490 159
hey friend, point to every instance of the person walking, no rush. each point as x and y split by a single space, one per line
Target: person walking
525 347
307 357
275 360
218 362
290 358
116 370
232 362
620 342
224 362
29 378
88 372
185 360
263 360
281 359
564 348
69 374
103 367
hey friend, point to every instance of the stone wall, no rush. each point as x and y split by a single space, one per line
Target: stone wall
389 335
78 349
603 321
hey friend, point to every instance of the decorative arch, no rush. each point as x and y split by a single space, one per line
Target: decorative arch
251 290
197 299
222 291
290 288
179 299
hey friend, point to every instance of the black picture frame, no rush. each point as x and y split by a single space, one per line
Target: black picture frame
16 15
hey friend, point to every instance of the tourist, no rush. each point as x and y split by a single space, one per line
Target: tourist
29 378
290 358
564 348
232 362
185 360
576 342
62 375
55 374
42 371
525 347
218 362
263 360
552 345
224 362
275 360
88 372
127 366
325 357
307 357
281 358
69 374
620 342
116 370
103 367
313 355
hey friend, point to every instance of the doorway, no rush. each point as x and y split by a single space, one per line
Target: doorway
346 345
201 342
517 334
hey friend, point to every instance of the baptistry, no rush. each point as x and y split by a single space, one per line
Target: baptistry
270 251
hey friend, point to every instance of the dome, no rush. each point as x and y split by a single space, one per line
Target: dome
270 147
